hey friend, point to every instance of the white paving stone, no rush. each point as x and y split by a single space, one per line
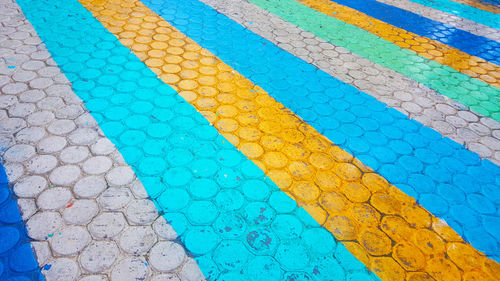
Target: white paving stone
54 198
107 225
99 256
52 144
30 135
74 154
166 256
41 164
121 175
80 212
42 250
163 229
62 269
141 212
103 147
137 239
65 175
115 198
130 269
41 118
30 186
70 240
44 224
89 187
19 153
97 165
27 207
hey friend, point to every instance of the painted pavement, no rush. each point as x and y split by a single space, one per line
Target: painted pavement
249 140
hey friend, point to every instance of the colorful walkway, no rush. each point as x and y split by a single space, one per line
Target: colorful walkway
249 140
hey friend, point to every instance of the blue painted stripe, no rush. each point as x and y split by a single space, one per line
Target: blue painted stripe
479 46
448 179
464 11
204 186
17 260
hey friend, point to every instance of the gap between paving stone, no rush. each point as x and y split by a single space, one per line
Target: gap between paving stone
87 213
479 134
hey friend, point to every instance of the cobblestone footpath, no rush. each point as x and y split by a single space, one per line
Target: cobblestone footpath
479 134
89 217
450 19
214 140
342 124
235 91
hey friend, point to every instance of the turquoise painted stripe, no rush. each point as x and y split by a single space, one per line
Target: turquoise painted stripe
232 219
464 11
447 179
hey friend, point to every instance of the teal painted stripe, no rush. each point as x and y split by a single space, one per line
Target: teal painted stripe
232 219
464 11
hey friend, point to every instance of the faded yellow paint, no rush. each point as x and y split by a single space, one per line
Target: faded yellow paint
471 65
383 227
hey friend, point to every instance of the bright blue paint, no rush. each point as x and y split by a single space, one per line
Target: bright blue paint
297 85
472 44
16 256
464 11
220 221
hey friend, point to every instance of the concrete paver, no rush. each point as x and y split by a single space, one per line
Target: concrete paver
65 173
417 101
228 156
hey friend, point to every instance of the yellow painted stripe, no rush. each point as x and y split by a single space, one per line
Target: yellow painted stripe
471 65
479 5
384 228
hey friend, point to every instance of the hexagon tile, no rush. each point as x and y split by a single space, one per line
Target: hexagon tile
231 140
17 261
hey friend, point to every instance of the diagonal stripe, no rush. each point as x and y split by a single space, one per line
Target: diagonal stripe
443 79
428 48
486 5
446 18
478 46
238 89
478 15
390 87
233 220
340 112
336 111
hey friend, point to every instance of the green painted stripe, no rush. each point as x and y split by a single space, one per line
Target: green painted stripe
479 96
